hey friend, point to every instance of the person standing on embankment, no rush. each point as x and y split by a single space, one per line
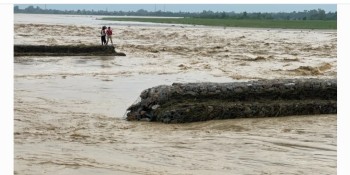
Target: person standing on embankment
109 35
103 35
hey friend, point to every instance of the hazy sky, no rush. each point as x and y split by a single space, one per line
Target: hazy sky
190 7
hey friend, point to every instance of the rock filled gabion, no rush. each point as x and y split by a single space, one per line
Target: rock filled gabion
191 102
65 50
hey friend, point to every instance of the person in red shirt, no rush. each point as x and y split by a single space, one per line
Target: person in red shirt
109 35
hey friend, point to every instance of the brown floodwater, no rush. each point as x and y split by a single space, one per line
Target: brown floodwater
69 120
68 111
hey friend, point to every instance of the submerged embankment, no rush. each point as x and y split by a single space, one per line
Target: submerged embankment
65 50
191 102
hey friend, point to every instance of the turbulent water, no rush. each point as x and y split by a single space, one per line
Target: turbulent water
69 110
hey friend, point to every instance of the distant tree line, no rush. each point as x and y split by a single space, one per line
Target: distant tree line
318 14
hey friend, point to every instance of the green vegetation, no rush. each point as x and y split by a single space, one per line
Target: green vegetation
314 14
307 19
254 23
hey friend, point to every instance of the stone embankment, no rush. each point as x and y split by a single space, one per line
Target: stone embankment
65 50
191 102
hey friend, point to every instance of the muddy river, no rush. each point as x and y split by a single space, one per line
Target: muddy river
69 111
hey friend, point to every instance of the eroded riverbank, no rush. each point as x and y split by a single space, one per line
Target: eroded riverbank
69 110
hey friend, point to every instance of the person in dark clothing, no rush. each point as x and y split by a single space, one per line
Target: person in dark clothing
103 35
